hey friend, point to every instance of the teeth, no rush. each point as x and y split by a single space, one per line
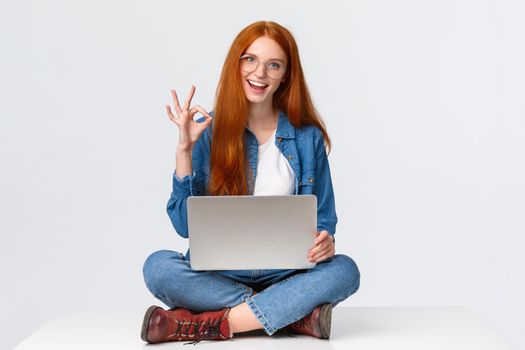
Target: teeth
256 83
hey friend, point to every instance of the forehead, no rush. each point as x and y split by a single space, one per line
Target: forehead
266 48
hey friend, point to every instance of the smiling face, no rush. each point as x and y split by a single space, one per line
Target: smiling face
258 86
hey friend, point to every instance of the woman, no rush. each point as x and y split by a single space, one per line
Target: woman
265 138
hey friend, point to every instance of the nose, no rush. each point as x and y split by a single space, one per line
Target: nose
260 70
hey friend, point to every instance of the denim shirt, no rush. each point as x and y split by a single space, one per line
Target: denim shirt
302 147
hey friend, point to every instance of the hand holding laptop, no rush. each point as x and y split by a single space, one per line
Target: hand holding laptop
324 247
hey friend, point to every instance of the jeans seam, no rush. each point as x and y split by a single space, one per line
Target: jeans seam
247 290
268 328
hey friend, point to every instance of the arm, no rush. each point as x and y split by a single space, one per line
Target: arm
324 244
326 215
187 178
188 185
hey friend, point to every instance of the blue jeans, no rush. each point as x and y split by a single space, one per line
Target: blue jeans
283 296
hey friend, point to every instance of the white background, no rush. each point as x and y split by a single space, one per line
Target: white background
424 101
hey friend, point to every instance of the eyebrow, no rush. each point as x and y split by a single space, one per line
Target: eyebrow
271 59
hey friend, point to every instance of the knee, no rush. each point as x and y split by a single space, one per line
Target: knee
348 272
157 268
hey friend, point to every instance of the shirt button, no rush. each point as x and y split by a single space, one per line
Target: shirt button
290 157
279 139
310 180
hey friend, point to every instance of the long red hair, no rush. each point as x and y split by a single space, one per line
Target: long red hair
229 163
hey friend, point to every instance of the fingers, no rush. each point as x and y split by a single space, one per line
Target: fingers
207 122
321 240
321 247
176 102
324 247
325 256
208 118
171 116
201 110
322 235
187 102
182 113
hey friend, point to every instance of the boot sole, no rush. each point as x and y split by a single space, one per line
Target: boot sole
325 320
145 323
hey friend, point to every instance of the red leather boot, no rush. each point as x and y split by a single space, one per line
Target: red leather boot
316 324
161 325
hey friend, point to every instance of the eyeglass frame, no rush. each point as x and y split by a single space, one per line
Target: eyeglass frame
265 65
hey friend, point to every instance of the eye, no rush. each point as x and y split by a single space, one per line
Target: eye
248 58
274 65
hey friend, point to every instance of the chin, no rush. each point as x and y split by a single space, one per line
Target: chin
252 99
255 99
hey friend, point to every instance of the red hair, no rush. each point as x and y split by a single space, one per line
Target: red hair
229 164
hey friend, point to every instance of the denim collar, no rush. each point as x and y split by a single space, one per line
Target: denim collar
284 128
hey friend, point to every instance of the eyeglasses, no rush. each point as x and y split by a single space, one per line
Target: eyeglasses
274 68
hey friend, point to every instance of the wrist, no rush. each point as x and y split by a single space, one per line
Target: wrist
184 150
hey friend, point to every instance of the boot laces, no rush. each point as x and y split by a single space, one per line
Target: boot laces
202 330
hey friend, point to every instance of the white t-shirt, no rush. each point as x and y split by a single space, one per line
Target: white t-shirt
274 176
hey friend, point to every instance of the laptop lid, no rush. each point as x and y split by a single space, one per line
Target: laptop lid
251 232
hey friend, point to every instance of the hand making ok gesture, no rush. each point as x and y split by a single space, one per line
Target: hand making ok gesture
189 130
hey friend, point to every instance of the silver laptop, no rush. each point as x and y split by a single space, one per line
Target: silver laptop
251 232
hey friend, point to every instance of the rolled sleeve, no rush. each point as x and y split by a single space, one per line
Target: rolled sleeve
176 208
184 187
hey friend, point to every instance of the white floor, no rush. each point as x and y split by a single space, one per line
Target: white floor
354 328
